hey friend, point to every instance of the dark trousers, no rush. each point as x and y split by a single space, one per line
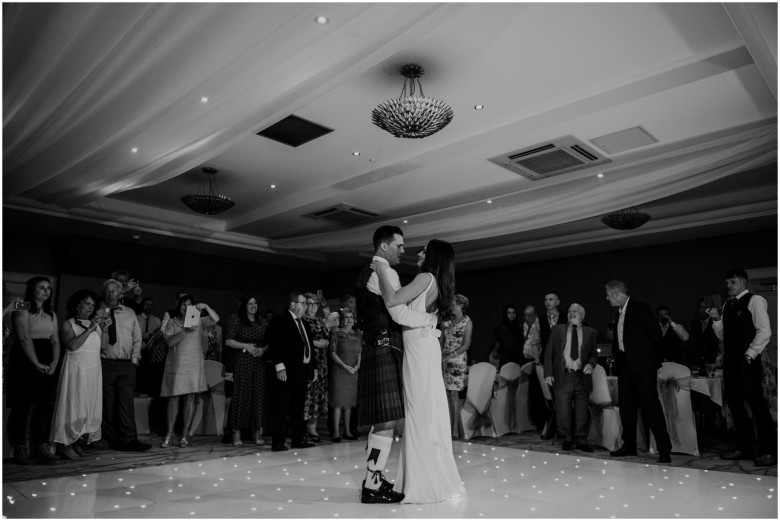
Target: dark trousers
288 404
567 389
39 416
742 381
640 390
118 409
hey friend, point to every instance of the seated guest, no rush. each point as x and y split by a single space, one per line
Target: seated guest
185 374
32 377
673 335
455 342
78 408
291 351
571 354
120 354
345 352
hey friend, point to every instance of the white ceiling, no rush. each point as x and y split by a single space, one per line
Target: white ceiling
85 84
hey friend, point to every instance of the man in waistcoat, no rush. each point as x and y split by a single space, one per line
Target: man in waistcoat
745 331
380 388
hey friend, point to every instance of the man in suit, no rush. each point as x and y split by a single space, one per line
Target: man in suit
289 346
551 318
637 351
569 357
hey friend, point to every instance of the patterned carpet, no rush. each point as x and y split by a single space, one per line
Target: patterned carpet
210 447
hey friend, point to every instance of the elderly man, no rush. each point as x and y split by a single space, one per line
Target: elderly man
745 330
120 354
569 355
637 351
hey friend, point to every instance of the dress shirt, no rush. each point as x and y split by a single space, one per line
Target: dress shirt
552 319
532 346
620 323
128 337
572 364
148 324
757 308
401 314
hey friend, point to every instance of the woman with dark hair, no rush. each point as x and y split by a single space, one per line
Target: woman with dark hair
455 342
508 343
345 349
78 408
32 377
427 472
185 372
246 331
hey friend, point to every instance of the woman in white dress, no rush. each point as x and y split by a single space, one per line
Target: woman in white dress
427 472
79 404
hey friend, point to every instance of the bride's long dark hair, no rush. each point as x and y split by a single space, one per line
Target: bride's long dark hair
440 262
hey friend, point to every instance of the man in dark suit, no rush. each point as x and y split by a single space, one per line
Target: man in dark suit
551 318
289 346
569 357
638 353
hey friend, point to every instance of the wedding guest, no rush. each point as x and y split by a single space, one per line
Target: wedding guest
79 405
185 373
673 335
508 343
704 341
345 351
246 336
317 394
455 342
131 291
32 377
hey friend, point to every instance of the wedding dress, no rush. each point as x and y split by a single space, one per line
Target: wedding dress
427 472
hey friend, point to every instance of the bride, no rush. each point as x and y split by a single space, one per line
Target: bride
427 472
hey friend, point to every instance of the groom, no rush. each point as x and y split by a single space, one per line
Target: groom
380 389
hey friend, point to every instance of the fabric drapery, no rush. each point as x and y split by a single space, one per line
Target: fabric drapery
479 419
511 386
668 389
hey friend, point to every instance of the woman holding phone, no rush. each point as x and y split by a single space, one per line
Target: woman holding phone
32 376
185 372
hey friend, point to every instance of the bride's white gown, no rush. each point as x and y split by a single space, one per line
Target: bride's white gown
427 472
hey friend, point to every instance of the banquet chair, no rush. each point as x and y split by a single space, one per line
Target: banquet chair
674 391
475 415
210 416
548 399
605 427
509 407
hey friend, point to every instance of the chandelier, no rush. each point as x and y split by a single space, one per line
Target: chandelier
626 219
211 202
412 115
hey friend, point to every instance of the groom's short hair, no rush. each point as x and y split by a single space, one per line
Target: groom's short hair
385 234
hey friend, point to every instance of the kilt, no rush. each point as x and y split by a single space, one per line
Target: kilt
380 386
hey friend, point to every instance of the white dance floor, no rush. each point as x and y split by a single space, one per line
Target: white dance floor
322 482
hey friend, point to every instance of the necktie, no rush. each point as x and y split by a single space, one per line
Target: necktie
147 325
303 337
575 344
112 329
621 320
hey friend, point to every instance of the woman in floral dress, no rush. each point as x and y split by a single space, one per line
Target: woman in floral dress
454 343
317 396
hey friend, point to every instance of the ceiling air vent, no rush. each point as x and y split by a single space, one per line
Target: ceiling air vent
345 215
550 158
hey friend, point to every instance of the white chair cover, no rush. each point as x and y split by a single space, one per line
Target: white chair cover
548 399
504 409
674 391
212 408
605 427
475 416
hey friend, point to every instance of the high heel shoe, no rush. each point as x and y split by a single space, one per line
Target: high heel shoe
259 440
237 439
313 437
183 442
166 442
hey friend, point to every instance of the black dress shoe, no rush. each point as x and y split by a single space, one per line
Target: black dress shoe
278 448
135 446
664 457
336 440
584 447
351 438
566 445
304 445
381 495
621 452
766 460
737 454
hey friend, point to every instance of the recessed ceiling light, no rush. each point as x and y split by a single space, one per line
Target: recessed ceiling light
490 201
600 175
406 222
204 99
479 107
134 150
273 187
322 20
355 153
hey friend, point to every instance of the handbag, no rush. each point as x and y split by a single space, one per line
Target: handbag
157 346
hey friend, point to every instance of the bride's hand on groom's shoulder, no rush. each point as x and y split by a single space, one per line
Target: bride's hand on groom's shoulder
378 266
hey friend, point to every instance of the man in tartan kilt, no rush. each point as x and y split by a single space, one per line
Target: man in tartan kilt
380 387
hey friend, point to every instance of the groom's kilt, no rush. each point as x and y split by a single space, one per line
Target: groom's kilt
380 387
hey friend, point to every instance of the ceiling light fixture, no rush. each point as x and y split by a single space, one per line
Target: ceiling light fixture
479 107
412 116
321 20
626 219
355 154
211 202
